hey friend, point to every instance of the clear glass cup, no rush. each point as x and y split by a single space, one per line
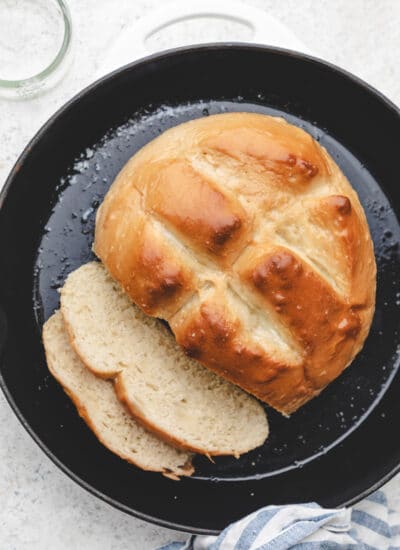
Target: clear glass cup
35 43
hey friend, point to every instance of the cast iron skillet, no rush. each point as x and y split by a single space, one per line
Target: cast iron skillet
336 449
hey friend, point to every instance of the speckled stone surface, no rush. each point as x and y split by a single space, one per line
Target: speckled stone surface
40 507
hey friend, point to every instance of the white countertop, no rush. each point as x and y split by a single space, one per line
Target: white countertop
40 507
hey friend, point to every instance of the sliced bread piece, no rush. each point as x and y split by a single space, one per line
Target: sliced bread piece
98 405
164 389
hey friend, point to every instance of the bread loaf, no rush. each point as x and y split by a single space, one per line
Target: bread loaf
241 231
168 392
98 405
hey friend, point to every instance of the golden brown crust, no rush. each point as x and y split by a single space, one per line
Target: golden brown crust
148 269
199 213
273 277
221 343
286 153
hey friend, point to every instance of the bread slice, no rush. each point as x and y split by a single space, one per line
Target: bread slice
164 389
98 405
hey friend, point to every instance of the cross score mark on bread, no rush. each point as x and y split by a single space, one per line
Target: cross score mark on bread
241 232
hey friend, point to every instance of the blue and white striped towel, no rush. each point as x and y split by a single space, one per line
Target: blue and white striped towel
369 525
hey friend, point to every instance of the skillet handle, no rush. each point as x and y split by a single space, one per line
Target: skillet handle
132 42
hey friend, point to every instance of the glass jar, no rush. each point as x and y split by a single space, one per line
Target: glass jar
35 43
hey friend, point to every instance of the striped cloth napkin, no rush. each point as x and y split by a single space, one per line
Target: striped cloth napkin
369 525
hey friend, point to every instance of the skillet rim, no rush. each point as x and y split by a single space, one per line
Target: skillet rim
86 91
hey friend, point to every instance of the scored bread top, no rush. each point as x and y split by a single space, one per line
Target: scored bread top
241 231
98 405
164 389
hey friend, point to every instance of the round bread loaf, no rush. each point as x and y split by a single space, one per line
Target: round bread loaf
241 231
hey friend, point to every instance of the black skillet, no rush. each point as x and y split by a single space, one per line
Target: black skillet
336 449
